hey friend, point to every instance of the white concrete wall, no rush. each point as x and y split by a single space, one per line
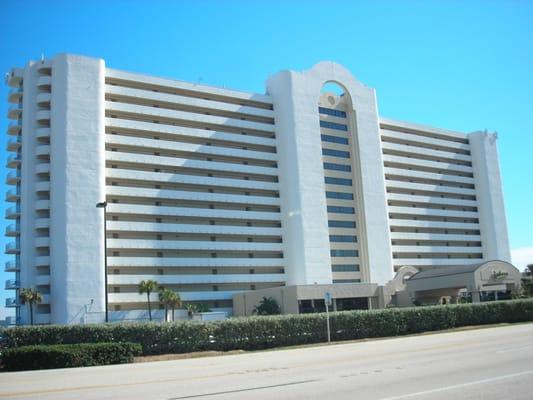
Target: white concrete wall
489 194
295 96
77 184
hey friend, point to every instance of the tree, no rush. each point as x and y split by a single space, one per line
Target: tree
31 297
170 299
148 287
267 306
174 301
164 297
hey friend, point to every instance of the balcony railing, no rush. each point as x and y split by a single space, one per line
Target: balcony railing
14 127
12 230
13 143
12 248
14 111
12 195
12 302
11 266
13 160
13 177
15 95
12 284
13 212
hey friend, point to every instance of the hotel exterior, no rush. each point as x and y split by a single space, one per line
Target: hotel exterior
216 193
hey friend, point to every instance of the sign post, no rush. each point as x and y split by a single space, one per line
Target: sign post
327 301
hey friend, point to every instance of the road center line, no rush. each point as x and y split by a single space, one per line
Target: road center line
461 385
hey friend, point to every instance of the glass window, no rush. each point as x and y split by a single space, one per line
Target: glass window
331 111
336 153
333 125
345 268
346 280
344 253
339 195
334 139
341 210
337 167
338 181
343 238
341 224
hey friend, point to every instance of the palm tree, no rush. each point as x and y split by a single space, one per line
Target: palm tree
148 287
174 301
165 297
31 297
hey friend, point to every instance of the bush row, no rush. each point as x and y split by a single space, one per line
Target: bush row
69 355
272 331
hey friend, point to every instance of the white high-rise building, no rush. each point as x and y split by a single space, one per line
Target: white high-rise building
212 192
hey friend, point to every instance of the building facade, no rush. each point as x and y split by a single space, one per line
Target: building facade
214 192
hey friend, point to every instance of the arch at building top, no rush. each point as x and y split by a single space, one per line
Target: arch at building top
295 96
326 72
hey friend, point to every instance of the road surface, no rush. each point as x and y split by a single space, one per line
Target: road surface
489 363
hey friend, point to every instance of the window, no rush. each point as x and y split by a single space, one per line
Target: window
341 224
332 112
346 280
333 125
341 210
344 253
343 238
338 181
334 139
345 268
339 195
335 153
337 167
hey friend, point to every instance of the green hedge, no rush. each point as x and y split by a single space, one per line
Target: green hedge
69 355
262 332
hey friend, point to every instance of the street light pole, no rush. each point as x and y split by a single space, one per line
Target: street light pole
104 206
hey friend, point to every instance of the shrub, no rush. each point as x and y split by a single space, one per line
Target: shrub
261 332
69 355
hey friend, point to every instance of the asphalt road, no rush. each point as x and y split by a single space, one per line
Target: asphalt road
490 363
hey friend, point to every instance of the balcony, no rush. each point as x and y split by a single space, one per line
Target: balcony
13 177
42 261
42 205
12 230
42 133
43 99
12 320
42 150
12 284
14 127
13 212
42 187
42 223
12 302
14 79
12 266
13 161
12 195
13 143
12 248
14 111
15 95
44 82
43 116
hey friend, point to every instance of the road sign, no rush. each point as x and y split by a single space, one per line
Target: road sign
327 298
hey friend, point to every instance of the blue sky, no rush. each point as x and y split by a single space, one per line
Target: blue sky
452 64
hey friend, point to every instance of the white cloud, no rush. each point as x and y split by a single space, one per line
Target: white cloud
522 257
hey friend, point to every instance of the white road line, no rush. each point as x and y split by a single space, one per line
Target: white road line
514 349
462 385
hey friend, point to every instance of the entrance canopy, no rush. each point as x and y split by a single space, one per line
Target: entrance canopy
489 276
